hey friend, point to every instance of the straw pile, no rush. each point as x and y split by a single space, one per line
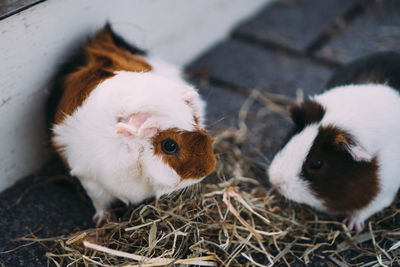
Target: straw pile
232 218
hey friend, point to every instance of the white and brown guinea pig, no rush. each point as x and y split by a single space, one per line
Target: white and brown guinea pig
344 154
126 124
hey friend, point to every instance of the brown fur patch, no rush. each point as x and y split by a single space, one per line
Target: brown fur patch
195 158
103 58
307 113
341 139
344 184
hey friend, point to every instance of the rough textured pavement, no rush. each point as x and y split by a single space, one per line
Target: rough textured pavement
287 46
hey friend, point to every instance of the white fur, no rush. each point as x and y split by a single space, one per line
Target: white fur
371 113
168 70
285 168
112 165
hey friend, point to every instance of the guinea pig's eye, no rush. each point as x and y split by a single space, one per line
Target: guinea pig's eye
169 147
316 165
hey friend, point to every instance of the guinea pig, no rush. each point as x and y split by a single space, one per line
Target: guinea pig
126 124
343 156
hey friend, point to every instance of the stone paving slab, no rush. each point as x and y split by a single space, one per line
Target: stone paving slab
252 67
222 107
378 29
295 24
48 205
266 129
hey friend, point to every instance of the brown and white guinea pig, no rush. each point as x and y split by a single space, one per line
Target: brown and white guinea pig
126 124
344 154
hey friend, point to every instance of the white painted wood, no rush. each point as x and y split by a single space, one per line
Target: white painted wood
34 42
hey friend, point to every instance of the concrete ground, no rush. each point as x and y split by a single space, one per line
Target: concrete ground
289 45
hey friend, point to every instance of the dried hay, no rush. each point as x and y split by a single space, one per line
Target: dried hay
232 218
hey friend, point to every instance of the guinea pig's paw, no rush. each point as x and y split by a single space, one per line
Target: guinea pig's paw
99 218
353 222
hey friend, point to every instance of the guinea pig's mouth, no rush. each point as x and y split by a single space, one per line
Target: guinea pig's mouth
285 190
280 187
182 184
278 191
188 182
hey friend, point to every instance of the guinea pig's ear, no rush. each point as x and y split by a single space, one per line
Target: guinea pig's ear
137 124
308 112
345 142
298 116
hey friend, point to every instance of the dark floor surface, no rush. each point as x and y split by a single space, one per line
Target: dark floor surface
287 46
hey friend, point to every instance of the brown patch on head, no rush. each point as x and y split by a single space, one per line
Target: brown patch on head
194 158
307 113
341 138
344 184
103 58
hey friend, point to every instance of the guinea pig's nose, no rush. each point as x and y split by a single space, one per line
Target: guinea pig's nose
280 186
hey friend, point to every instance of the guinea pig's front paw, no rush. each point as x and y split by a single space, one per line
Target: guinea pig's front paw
353 222
99 219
